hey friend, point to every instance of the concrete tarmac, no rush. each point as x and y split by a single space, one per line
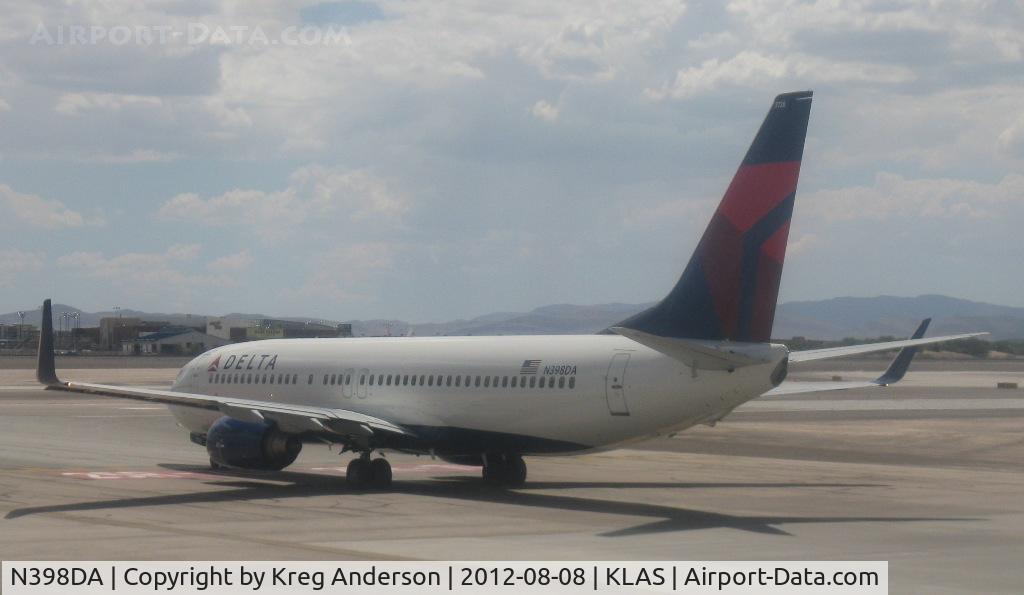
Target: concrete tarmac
925 475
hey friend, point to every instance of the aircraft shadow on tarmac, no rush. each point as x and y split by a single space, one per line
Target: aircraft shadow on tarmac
245 486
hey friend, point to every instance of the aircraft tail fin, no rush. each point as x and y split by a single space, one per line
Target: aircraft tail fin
729 289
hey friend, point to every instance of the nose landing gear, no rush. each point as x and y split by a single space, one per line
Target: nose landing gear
363 473
508 470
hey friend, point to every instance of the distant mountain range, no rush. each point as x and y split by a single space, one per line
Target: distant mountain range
825 319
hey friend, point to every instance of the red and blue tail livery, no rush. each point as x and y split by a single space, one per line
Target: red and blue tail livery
729 289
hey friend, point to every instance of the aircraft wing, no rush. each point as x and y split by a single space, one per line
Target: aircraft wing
289 418
892 375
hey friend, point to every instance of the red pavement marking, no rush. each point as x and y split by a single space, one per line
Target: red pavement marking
117 475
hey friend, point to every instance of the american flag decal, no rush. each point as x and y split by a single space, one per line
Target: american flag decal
530 366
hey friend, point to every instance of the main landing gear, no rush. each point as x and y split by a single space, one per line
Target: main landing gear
364 473
506 470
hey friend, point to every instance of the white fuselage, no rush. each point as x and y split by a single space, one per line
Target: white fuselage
598 390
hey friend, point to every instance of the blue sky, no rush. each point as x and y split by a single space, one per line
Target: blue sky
427 160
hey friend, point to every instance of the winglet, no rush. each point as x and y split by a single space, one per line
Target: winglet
46 369
901 362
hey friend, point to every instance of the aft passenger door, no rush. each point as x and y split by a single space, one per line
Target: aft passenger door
614 384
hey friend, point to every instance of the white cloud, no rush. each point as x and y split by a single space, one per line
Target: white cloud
710 41
545 111
230 263
135 156
75 104
753 69
129 267
600 47
893 195
172 275
37 212
804 244
666 213
14 261
315 194
345 272
981 31
1011 140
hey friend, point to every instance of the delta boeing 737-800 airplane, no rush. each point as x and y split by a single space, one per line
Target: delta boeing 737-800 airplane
692 358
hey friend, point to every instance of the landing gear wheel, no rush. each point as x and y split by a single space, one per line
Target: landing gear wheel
380 472
359 473
505 470
515 471
494 470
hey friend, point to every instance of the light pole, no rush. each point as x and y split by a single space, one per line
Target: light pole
67 327
21 314
74 332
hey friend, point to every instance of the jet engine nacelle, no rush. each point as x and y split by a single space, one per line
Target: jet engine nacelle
246 445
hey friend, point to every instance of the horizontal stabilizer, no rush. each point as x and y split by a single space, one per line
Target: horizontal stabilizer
694 353
813 354
893 374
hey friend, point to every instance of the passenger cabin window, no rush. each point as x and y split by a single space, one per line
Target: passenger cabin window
458 381
405 380
423 379
561 382
371 379
310 379
362 379
533 381
430 380
389 380
477 381
448 381
572 382
487 381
